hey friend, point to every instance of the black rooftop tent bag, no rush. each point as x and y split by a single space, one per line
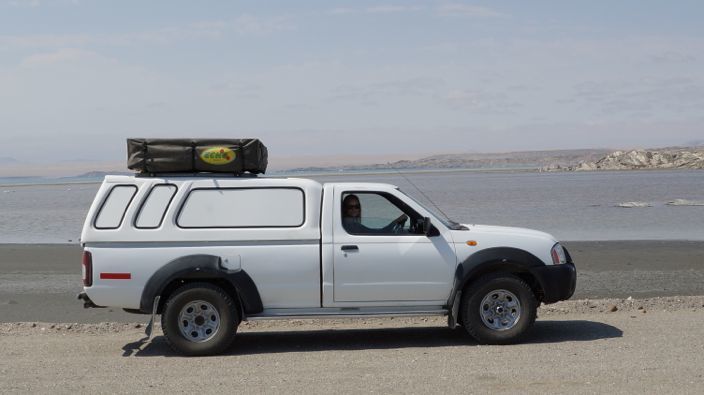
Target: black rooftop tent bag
234 156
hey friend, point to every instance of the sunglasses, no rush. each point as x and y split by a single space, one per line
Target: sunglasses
350 206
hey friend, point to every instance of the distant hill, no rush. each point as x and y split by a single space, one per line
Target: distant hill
5 160
503 160
101 174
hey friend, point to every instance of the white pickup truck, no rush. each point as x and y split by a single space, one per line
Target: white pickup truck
209 252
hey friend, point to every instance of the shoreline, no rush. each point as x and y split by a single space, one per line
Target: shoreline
370 172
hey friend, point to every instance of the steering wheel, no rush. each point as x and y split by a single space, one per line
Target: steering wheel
398 226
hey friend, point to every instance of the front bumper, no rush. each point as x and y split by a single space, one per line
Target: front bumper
557 281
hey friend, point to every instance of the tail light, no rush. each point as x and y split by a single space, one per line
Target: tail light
87 269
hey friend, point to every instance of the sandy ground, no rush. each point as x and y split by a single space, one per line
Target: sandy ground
645 346
650 343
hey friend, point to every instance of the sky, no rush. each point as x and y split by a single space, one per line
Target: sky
340 79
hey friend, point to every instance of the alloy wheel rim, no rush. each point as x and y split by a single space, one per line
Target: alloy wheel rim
500 310
199 321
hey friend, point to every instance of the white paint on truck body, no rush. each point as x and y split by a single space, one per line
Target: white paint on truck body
294 252
283 262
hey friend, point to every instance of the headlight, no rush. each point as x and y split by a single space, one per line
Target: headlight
558 254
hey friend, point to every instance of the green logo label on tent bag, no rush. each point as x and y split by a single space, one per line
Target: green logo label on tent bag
218 155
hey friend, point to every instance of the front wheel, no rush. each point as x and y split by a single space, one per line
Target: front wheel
498 309
200 319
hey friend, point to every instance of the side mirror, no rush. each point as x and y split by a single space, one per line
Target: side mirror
426 226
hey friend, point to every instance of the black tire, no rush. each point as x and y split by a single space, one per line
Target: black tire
218 304
498 286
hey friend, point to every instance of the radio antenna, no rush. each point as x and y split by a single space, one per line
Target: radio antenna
421 192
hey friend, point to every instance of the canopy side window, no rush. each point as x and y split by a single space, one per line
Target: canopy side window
151 214
112 212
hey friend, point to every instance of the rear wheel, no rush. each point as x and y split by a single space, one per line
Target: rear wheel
200 319
498 309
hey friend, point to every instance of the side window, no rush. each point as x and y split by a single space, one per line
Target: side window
243 208
152 212
372 213
112 212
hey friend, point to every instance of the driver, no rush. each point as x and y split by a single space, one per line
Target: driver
352 216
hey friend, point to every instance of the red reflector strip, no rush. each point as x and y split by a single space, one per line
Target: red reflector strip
115 276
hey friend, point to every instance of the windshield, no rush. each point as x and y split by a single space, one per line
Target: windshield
446 221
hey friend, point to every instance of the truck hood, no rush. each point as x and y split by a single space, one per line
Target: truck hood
508 231
486 236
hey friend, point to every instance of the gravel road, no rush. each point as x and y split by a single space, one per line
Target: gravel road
650 344
645 346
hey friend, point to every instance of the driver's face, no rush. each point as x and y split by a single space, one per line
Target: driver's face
352 208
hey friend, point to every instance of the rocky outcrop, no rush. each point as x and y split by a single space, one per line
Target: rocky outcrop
685 202
634 204
646 159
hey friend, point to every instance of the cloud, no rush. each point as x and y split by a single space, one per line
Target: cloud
370 92
244 25
156 105
447 10
389 9
209 25
59 56
46 40
379 9
342 11
252 25
160 36
673 57
24 3
467 11
242 90
480 101
641 96
37 3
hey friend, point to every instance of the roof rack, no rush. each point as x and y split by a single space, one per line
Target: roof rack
200 175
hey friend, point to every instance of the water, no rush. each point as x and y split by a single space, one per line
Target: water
571 206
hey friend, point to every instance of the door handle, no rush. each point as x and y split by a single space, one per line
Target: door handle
350 248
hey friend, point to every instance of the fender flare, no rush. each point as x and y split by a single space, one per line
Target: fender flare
202 267
509 258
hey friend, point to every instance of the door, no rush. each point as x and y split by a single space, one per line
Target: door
381 254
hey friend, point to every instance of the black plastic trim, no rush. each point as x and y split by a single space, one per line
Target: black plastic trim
484 261
102 205
557 281
144 201
201 267
433 231
180 209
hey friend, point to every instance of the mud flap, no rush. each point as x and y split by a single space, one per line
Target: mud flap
454 311
150 326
